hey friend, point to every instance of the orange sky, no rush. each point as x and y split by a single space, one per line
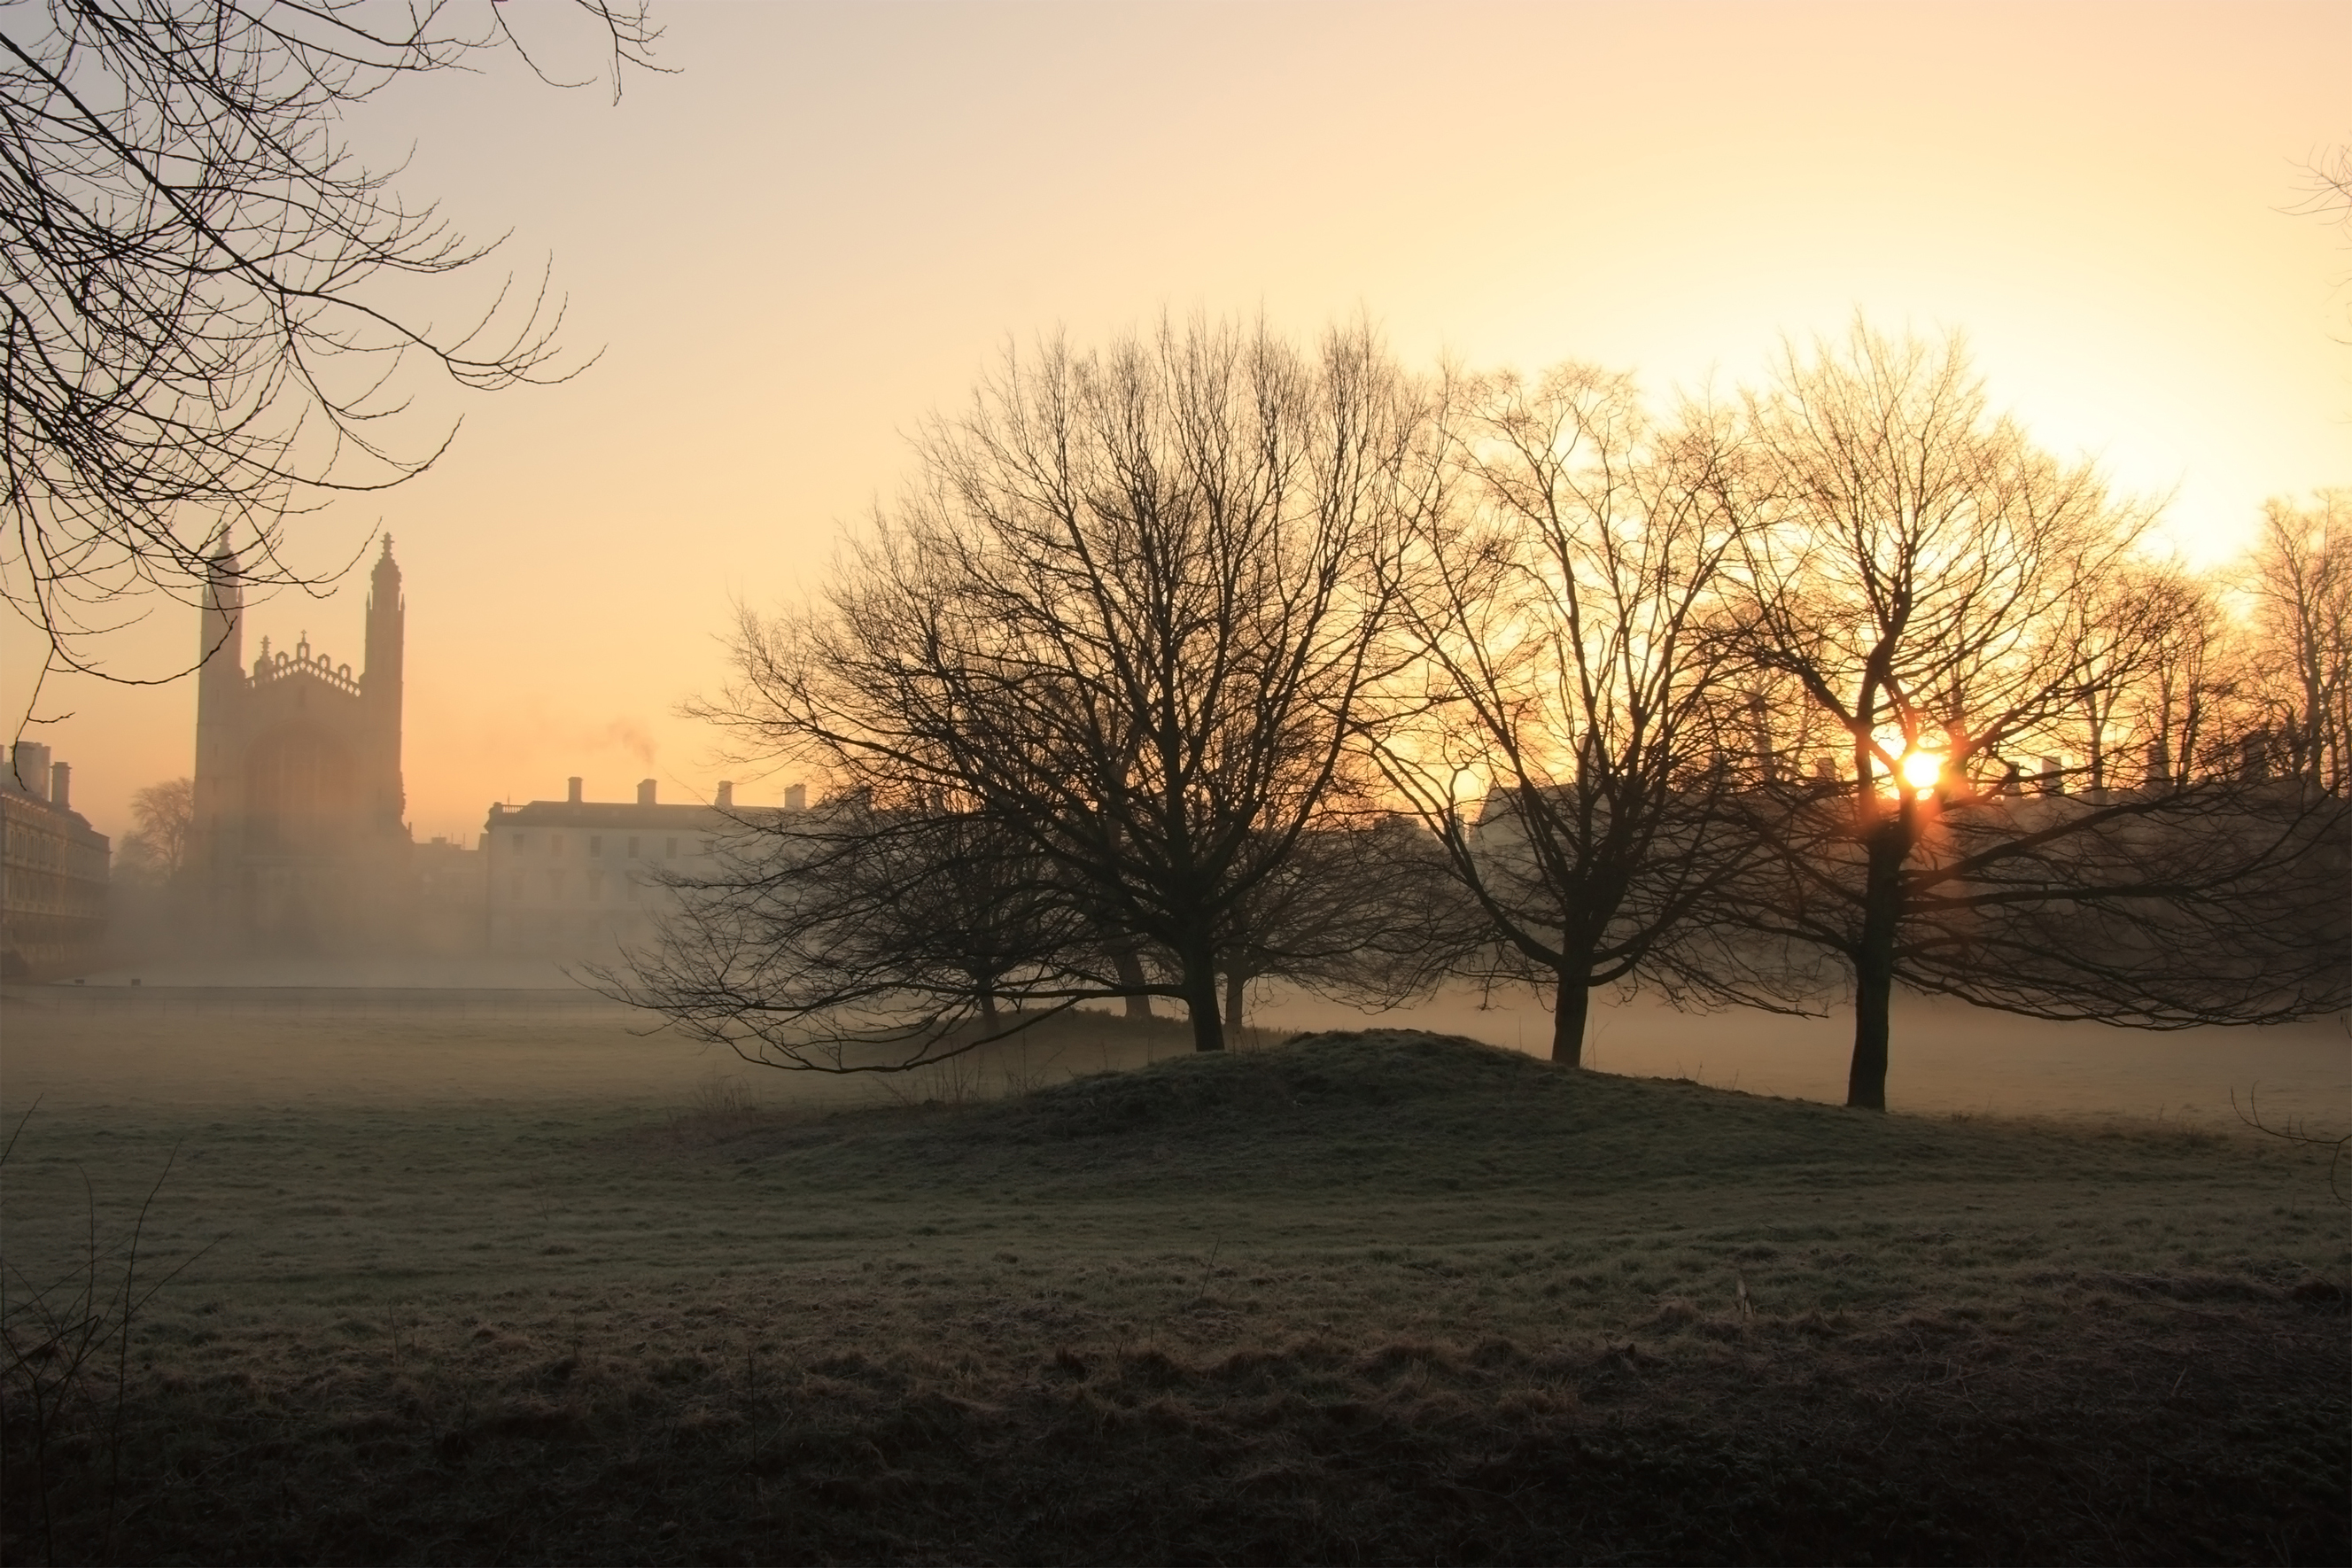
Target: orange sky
833 215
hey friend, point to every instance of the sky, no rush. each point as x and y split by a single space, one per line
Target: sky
828 219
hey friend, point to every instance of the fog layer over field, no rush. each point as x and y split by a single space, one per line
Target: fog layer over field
392 1033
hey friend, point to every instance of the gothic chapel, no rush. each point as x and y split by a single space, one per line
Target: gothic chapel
298 844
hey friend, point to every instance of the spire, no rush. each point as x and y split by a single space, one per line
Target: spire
385 581
219 648
380 681
223 579
387 614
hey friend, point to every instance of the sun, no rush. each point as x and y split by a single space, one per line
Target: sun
1921 770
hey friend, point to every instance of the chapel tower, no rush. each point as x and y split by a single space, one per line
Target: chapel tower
298 843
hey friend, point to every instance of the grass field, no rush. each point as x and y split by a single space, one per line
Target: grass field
1383 1298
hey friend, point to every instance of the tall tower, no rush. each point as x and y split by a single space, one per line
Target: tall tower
220 727
380 686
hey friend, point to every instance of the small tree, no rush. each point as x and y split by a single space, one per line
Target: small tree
158 848
865 936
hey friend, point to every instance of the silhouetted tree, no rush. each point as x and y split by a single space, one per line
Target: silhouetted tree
868 937
1563 734
2299 663
156 849
198 330
1947 597
1129 609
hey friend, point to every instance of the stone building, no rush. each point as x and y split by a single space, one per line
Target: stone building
298 843
53 871
584 878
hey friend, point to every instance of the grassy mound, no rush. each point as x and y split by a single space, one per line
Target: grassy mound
1403 1112
1310 1076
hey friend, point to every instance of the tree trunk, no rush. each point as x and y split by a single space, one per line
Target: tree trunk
1236 983
1200 996
1570 1008
1874 962
1865 1081
1129 968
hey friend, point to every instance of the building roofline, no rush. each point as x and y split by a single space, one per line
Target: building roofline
17 795
595 813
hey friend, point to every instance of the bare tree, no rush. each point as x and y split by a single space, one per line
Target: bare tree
1914 569
865 937
199 333
1129 608
1563 734
2188 705
1948 597
158 846
2299 580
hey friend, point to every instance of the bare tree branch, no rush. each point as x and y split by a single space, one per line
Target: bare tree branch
198 336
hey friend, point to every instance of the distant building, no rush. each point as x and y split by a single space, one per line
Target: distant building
584 879
298 843
53 871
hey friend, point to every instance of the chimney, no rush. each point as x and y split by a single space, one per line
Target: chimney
725 801
61 785
2257 758
796 797
2159 765
644 792
2054 776
572 790
31 767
